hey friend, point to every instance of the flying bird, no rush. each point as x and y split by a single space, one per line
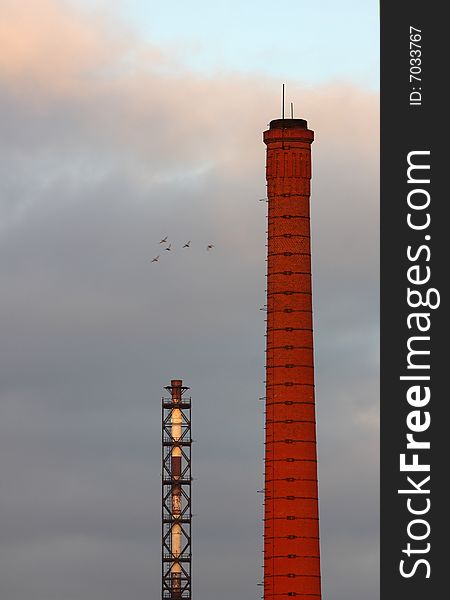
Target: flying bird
209 246
164 240
187 244
168 247
155 259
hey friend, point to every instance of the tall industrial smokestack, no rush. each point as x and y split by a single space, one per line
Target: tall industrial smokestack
176 493
291 517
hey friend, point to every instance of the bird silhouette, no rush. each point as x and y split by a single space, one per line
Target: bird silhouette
164 240
209 246
169 247
187 244
155 259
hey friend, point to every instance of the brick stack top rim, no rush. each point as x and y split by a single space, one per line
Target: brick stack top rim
288 130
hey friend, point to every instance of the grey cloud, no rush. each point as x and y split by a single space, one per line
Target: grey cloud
91 330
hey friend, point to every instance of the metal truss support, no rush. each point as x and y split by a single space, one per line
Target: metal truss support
176 494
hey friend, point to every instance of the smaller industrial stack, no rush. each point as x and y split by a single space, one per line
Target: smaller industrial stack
176 493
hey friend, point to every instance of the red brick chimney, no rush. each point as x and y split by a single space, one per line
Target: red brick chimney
291 517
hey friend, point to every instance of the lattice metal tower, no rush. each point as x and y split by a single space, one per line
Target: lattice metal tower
176 493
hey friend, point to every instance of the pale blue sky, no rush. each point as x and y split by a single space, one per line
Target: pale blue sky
310 42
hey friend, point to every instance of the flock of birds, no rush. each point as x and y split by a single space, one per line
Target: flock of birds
169 247
164 240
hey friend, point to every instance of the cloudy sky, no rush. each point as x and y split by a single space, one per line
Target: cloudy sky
122 122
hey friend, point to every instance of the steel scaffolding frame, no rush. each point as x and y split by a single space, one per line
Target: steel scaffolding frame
176 556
